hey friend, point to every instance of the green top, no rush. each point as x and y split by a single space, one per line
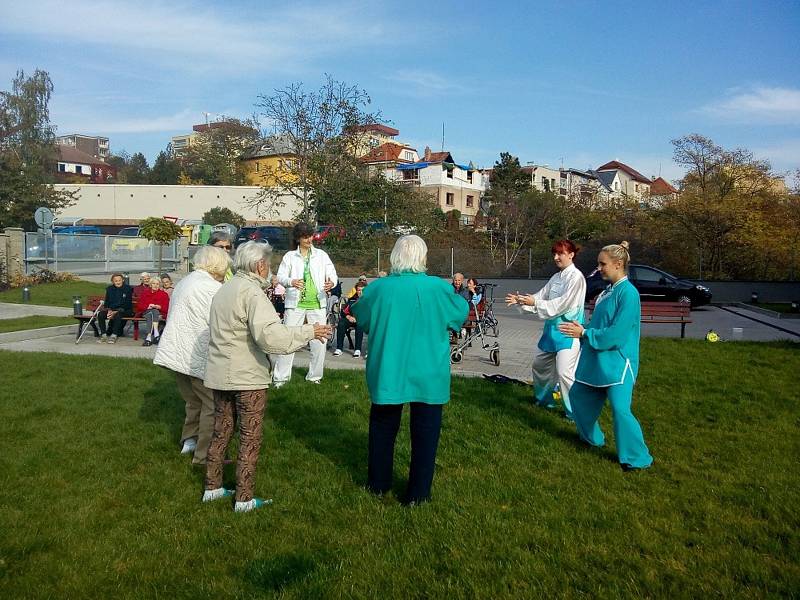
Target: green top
610 343
406 316
309 299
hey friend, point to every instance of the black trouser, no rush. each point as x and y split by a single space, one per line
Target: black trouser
341 331
384 423
116 324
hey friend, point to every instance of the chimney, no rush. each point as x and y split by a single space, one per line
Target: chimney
427 153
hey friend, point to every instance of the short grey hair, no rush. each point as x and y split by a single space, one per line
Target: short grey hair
212 260
410 253
249 254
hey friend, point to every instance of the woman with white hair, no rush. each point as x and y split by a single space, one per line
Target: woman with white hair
407 316
244 328
184 346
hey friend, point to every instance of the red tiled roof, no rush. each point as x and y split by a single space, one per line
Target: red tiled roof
73 155
385 152
615 164
384 129
661 187
440 157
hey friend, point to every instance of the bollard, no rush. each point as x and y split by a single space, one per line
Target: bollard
26 294
754 297
795 305
77 307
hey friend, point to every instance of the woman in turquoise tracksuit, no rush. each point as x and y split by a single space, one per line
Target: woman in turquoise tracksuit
407 316
609 362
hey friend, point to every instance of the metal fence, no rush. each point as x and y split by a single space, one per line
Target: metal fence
89 254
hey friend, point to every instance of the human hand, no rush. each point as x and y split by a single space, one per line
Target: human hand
322 332
351 319
571 329
298 283
528 300
111 314
328 284
511 299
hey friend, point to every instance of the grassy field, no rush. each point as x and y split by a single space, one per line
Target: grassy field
95 500
56 294
33 322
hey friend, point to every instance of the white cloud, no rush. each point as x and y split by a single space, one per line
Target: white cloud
783 156
758 104
108 124
423 84
193 37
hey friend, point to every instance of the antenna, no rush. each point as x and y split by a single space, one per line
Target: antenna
442 136
659 168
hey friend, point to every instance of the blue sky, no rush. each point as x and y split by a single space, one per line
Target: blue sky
574 82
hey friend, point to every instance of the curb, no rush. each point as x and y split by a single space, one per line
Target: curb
766 312
36 334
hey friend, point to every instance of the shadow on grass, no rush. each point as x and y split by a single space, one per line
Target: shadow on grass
322 428
162 403
282 571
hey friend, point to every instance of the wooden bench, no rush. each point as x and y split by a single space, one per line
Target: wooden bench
661 312
92 303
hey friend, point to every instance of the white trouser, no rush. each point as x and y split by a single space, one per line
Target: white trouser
293 317
550 368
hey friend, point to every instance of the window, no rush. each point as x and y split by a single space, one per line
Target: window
408 155
545 184
79 169
411 174
616 186
449 172
62 168
450 200
258 167
469 177
636 187
469 201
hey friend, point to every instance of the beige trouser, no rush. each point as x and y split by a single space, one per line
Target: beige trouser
199 421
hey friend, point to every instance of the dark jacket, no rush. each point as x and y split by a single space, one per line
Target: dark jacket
119 298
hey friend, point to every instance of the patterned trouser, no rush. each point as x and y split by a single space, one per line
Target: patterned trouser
249 407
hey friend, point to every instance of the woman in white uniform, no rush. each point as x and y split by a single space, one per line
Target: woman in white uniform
561 300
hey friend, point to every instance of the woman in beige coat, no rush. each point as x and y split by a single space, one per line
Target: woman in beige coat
244 329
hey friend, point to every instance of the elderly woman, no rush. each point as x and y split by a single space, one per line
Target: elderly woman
244 328
184 346
407 316
220 239
561 299
609 361
153 305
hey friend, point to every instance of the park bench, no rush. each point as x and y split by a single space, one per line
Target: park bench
91 306
660 312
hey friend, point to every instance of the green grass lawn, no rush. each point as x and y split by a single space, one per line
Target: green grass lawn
95 500
56 294
781 307
33 322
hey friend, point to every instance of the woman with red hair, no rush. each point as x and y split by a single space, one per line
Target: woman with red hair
561 300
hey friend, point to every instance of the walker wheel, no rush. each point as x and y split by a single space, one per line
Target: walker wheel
456 356
494 356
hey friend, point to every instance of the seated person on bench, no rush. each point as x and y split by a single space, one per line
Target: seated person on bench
153 305
348 321
117 305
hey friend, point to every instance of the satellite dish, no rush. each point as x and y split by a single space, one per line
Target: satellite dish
44 217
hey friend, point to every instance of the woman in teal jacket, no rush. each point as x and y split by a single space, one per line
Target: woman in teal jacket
407 316
609 361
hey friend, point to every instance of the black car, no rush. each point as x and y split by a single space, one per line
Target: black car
653 285
278 237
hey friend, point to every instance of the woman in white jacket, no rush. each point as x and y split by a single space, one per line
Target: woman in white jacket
561 300
307 274
184 346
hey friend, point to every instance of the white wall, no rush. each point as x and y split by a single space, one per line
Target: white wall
70 168
118 201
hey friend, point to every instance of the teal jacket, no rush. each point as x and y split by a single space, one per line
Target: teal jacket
406 316
610 343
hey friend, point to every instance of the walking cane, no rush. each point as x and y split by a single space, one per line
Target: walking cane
89 323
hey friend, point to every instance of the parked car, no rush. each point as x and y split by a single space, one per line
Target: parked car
278 237
77 230
324 232
129 240
653 285
227 228
73 241
374 228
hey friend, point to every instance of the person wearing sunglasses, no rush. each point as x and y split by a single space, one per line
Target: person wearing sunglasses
220 239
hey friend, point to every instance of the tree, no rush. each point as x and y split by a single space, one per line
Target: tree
161 231
516 209
214 157
221 214
27 152
131 169
166 168
322 128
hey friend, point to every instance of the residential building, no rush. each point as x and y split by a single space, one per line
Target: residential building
182 142
91 145
544 178
73 164
624 180
270 161
371 136
453 186
387 156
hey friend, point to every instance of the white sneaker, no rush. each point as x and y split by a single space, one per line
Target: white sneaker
102 339
112 339
277 384
337 352
356 353
189 446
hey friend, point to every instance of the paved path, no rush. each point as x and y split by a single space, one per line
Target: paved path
15 311
518 336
